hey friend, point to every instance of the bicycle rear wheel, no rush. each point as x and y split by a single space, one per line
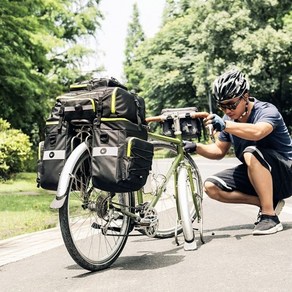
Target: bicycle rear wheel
93 226
166 207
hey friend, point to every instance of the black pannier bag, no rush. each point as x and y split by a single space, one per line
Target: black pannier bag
121 156
191 128
54 151
102 98
88 103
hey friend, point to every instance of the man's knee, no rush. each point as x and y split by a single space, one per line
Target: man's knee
211 190
249 159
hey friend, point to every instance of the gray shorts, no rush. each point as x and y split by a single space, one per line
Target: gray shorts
236 178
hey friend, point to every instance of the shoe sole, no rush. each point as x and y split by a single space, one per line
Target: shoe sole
279 207
277 228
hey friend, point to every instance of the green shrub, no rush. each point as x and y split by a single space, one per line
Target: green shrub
15 150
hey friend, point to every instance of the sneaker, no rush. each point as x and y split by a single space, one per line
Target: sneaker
278 209
267 225
258 217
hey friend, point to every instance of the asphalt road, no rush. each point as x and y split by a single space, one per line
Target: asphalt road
230 260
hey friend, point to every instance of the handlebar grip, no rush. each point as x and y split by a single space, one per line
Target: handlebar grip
154 119
193 115
199 115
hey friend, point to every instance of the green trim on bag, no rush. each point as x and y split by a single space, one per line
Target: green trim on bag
52 123
41 145
93 104
129 146
74 86
114 119
113 100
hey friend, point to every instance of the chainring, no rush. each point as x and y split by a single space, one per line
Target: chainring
151 215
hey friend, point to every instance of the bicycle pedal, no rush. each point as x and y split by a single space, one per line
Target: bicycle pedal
145 222
190 245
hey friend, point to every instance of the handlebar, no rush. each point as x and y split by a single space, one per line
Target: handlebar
193 115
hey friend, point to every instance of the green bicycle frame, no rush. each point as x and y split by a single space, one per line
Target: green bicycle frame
173 170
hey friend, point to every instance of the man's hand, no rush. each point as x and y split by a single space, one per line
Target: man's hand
190 147
217 123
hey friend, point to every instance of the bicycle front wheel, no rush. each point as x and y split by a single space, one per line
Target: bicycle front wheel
93 225
165 205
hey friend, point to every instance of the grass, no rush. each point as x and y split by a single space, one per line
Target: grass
24 208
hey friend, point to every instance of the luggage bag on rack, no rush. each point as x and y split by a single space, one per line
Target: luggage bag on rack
86 100
121 156
54 151
117 116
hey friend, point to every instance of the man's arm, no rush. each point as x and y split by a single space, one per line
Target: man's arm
252 132
213 151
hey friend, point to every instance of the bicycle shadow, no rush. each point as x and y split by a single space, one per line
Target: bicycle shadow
150 260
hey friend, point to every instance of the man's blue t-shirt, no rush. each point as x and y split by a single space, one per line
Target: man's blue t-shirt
278 140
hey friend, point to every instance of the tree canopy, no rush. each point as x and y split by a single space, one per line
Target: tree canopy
204 38
40 52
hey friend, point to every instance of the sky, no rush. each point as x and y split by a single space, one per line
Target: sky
110 44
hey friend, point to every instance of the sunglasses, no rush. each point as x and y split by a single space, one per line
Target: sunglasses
230 106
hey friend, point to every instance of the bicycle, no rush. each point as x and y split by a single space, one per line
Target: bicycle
95 224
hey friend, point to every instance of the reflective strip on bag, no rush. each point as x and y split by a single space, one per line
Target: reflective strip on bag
84 107
105 151
54 155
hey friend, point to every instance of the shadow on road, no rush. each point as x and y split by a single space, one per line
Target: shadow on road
241 228
148 260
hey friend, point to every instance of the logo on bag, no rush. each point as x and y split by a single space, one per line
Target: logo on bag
52 154
103 151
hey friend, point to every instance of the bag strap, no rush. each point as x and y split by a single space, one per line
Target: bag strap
138 111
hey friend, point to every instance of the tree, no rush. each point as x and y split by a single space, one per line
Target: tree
134 38
178 66
40 53
169 11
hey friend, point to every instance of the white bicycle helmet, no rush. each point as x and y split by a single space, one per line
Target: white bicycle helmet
229 85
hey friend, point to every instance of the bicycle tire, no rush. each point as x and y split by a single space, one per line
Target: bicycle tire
93 237
197 197
166 206
183 204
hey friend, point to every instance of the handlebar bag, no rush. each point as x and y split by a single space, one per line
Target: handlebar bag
190 128
121 156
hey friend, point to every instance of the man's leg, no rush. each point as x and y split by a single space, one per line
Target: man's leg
261 179
216 193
